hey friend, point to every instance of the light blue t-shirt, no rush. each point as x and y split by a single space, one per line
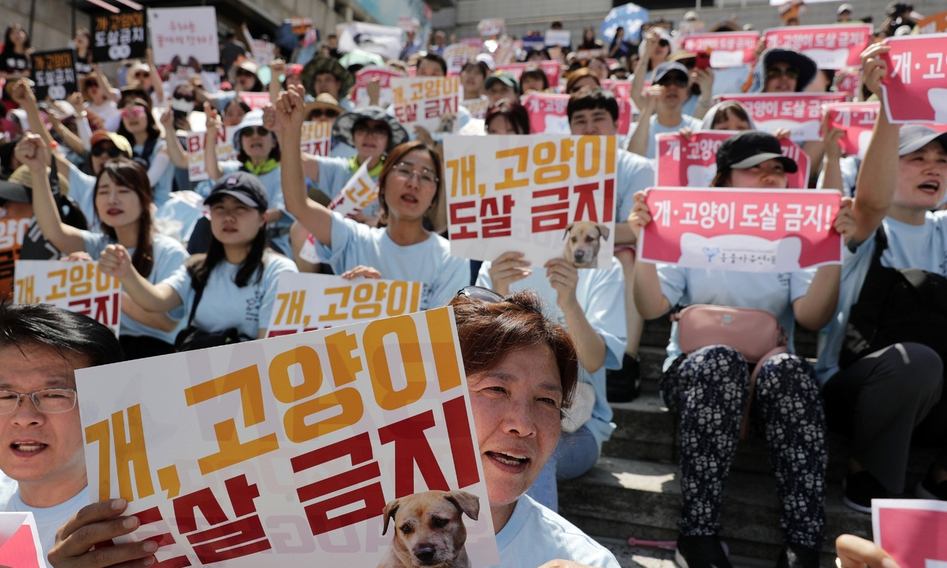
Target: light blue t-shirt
428 262
773 292
635 173
82 191
687 121
48 519
535 535
909 246
164 179
224 304
601 293
169 255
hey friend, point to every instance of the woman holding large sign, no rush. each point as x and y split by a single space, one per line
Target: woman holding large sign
409 187
709 384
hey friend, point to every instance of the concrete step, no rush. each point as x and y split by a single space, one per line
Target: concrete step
621 498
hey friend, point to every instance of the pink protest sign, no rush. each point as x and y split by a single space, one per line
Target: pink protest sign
833 46
915 88
547 113
550 68
19 541
750 230
800 113
255 100
912 531
692 161
727 49
857 121
622 91
364 77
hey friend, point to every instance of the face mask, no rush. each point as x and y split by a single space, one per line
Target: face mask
182 105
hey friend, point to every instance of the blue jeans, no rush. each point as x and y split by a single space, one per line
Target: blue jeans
575 454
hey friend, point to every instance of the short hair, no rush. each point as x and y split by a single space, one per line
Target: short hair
480 66
591 100
515 113
578 75
537 73
67 333
488 331
728 108
431 56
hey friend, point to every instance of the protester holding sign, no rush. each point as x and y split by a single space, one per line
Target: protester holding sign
884 350
712 380
409 187
123 204
238 270
141 129
42 464
662 108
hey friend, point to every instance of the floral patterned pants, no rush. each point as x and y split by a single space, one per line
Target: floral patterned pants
708 390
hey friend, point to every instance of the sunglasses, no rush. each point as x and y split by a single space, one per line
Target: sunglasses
324 113
133 110
112 151
480 294
254 130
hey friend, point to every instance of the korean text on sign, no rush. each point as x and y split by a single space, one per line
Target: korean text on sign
424 101
856 120
118 36
305 302
800 113
14 223
360 192
522 193
750 230
915 88
76 286
365 77
911 530
834 46
727 49
286 449
54 73
692 161
547 113
184 33
316 138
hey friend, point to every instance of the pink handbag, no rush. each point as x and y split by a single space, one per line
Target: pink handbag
754 333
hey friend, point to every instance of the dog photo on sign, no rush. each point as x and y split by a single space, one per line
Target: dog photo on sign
583 240
429 529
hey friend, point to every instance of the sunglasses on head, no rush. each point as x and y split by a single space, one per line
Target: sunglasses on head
257 130
324 113
112 151
480 294
133 110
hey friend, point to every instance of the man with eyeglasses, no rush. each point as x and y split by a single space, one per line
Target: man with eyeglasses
41 451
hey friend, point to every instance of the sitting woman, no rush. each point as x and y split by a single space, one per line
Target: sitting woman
230 291
140 128
521 373
709 388
409 187
122 197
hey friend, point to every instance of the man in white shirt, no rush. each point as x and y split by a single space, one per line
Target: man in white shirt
42 463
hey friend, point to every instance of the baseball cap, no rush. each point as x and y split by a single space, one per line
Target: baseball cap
751 148
504 78
844 8
242 186
117 140
662 71
915 136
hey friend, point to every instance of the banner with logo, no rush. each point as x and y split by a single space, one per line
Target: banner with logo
799 113
426 102
183 33
545 196
79 287
915 88
692 161
831 46
292 450
750 230
54 74
305 302
118 36
727 49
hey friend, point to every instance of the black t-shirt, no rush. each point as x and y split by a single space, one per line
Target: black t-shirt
14 62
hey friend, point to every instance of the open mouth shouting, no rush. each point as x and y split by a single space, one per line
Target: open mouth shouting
27 448
930 186
511 462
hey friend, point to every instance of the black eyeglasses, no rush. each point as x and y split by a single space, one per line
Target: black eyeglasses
112 151
327 113
481 294
251 130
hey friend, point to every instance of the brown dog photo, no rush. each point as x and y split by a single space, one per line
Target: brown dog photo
583 240
429 529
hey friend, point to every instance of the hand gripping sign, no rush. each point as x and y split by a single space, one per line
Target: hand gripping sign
912 531
915 87
750 230
692 162
833 46
285 451
800 113
305 302
545 196
75 286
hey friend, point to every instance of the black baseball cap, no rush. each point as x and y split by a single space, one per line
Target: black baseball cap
751 148
242 186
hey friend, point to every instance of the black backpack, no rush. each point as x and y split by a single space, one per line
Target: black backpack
896 306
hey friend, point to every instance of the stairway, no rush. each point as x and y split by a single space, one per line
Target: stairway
634 489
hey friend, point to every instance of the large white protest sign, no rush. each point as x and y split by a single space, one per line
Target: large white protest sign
75 286
184 33
285 451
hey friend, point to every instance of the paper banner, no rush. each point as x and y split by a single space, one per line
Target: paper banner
79 287
423 101
184 33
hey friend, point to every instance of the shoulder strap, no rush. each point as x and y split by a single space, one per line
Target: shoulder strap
881 244
198 293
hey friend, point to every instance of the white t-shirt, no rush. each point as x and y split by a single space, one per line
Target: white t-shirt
48 519
535 535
